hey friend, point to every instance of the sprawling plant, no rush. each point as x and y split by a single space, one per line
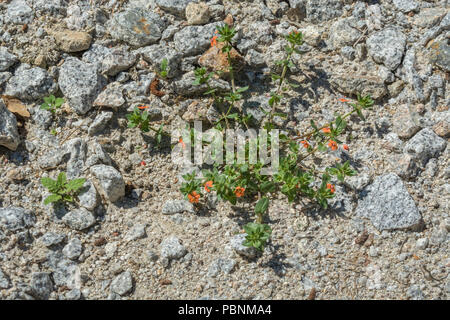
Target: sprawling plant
237 182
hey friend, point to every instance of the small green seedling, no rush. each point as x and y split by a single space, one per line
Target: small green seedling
257 235
61 188
51 103
164 68
138 119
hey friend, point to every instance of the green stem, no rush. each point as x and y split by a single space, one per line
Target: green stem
282 77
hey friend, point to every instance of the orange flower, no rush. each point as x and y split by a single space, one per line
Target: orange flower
214 41
182 143
143 107
331 187
193 197
305 143
345 147
333 145
326 130
208 184
239 192
343 100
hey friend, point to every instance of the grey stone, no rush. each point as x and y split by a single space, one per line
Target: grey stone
236 243
96 54
51 239
429 17
41 285
88 196
348 53
425 145
440 54
76 149
100 122
373 251
80 83
122 284
136 232
117 60
6 59
193 40
374 17
97 155
406 6
415 293
185 86
50 160
136 26
73 249
65 271
344 32
323 10
18 12
15 218
42 118
155 54
387 47
79 219
53 7
177 206
30 84
358 182
4 77
404 122
254 58
221 265
4 281
386 74
358 82
389 206
111 182
422 243
176 7
172 249
74 294
405 165
9 136
111 96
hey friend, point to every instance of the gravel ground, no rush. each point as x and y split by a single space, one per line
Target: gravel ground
132 236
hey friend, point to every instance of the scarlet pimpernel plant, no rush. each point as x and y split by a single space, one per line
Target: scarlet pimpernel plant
296 178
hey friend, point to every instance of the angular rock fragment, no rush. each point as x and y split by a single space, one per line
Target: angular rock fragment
389 206
111 182
79 219
9 136
80 83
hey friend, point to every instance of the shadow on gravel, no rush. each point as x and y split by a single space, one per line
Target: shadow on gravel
277 261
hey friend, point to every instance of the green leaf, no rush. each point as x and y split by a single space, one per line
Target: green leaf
243 89
76 184
49 183
281 115
61 180
267 186
45 106
261 206
52 198
59 102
